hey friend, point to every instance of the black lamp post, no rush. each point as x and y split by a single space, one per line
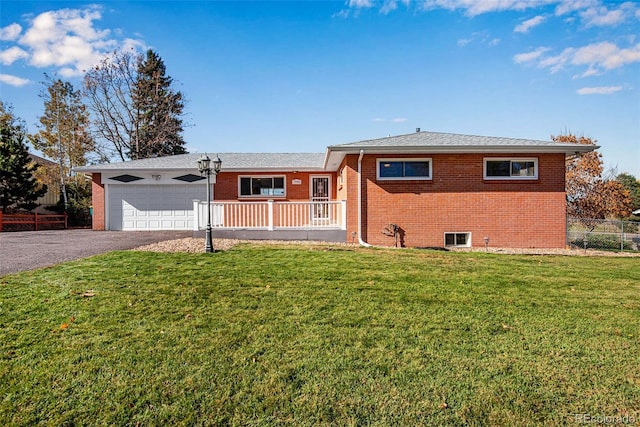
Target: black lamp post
206 169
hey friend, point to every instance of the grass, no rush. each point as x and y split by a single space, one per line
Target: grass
320 336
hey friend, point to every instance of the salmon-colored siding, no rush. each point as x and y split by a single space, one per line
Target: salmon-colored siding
97 200
511 213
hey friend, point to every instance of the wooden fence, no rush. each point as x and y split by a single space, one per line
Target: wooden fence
31 221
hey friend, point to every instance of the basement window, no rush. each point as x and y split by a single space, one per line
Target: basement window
262 186
504 168
404 169
461 240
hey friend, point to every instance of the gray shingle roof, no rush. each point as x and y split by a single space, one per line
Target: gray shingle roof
230 162
418 142
445 140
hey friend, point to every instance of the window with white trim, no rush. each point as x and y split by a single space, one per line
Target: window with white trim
506 168
261 186
457 240
403 169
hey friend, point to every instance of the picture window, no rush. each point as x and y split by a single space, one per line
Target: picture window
404 169
262 186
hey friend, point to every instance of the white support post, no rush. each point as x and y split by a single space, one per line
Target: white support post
343 212
270 214
196 215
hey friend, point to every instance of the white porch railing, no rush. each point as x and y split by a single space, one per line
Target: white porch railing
272 215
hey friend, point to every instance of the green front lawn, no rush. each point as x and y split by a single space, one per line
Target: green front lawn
264 335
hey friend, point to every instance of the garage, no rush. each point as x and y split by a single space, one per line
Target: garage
152 207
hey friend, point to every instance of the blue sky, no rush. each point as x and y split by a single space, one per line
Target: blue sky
298 76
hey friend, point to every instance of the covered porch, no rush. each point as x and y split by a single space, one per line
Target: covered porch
273 220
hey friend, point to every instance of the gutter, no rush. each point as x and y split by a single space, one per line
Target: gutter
360 241
467 149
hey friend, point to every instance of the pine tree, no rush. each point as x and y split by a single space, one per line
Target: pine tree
18 187
135 110
632 185
159 109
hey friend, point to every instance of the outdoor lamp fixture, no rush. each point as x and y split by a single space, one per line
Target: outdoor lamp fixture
207 167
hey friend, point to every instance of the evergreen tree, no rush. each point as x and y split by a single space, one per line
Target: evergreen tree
159 109
18 186
632 185
135 110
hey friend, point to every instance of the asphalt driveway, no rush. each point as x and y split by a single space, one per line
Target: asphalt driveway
29 250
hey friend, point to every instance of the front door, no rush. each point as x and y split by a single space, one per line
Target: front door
320 195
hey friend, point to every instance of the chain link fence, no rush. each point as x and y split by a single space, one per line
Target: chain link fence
603 234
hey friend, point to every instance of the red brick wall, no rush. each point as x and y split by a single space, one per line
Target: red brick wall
458 199
226 187
97 201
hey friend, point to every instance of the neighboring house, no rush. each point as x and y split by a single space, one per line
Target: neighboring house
420 190
52 195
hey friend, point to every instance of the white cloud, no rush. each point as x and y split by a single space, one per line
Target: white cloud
360 3
597 57
530 56
389 6
568 6
395 120
606 55
599 90
13 80
478 7
529 23
557 62
10 32
11 55
602 16
344 13
481 37
65 39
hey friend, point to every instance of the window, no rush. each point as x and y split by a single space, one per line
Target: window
262 186
502 168
457 239
404 169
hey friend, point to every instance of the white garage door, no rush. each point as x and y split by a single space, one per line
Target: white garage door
153 207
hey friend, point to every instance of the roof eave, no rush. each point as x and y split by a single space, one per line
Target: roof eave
89 170
559 148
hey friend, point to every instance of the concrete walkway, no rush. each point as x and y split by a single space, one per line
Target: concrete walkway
29 250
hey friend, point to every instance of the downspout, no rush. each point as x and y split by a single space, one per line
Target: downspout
360 241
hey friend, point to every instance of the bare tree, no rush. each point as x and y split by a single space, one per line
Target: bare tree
64 135
109 88
136 111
